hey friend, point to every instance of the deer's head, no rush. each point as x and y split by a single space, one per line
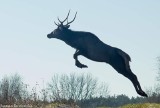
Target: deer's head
61 28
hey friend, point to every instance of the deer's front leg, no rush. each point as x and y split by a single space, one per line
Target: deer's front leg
77 63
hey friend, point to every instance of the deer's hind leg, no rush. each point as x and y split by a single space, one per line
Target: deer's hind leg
133 78
119 65
77 63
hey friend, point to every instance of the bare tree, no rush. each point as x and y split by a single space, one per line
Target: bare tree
54 87
44 94
5 90
12 89
64 86
80 86
157 88
158 76
16 87
74 87
103 90
25 95
90 87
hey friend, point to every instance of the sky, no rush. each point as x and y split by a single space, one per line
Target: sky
132 26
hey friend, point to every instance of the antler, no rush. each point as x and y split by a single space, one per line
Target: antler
64 19
55 23
61 22
72 20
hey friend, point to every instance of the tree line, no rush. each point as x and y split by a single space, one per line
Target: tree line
81 89
62 88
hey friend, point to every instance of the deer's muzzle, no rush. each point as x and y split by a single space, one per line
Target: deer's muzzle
49 36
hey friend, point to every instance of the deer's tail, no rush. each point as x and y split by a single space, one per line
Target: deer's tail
126 58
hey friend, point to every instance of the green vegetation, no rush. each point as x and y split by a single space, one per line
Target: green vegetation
145 105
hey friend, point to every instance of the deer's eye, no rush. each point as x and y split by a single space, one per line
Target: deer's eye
54 32
60 28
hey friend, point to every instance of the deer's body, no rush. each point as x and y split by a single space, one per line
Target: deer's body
91 47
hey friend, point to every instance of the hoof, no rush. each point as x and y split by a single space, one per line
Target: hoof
142 93
78 64
84 66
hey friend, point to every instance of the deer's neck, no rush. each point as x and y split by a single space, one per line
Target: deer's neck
71 38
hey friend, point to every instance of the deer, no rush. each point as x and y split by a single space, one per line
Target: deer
90 46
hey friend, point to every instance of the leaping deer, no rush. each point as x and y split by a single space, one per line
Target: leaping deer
90 46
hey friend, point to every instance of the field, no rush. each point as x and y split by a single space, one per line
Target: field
146 105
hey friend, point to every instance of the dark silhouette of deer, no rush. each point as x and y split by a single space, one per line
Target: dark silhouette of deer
91 47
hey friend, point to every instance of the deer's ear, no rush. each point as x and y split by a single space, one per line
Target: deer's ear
67 26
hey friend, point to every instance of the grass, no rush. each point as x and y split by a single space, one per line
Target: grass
145 105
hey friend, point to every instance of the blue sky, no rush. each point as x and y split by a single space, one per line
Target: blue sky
132 26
